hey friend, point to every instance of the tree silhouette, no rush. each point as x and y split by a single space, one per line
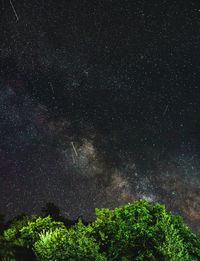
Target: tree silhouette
52 210
2 224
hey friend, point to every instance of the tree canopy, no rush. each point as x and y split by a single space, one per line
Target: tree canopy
136 231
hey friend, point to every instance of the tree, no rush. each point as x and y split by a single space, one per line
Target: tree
140 231
2 223
22 234
10 245
136 231
73 244
50 209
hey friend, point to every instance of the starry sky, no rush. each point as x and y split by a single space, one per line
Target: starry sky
99 106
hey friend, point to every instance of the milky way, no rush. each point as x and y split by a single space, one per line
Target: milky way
99 106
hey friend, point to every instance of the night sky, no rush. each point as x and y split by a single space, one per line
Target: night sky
99 106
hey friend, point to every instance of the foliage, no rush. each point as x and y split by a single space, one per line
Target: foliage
136 231
140 231
73 244
22 234
50 245
30 234
9 242
6 249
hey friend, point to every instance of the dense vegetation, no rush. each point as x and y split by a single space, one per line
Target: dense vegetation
136 231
